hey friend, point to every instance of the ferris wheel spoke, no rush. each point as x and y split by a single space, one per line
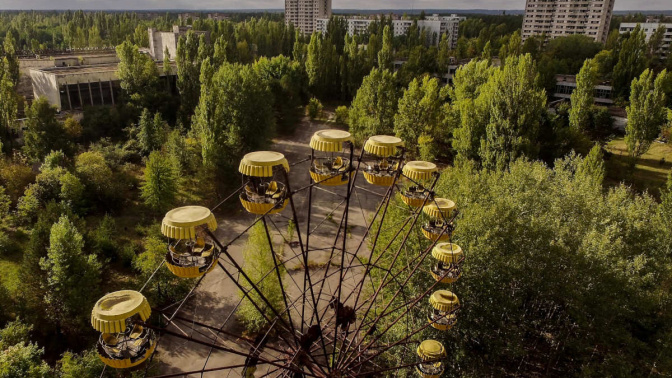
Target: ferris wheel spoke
279 276
307 280
422 257
408 309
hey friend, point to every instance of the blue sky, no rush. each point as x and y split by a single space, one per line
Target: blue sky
266 4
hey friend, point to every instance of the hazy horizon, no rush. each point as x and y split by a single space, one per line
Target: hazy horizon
149 5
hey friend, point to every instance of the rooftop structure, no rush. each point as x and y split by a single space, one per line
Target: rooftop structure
305 13
435 25
649 29
558 18
159 41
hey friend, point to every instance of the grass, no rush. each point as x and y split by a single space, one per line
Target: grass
651 169
9 272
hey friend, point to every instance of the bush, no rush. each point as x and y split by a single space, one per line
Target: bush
15 176
341 116
8 246
54 159
88 364
314 109
104 238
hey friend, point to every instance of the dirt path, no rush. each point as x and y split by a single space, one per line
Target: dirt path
216 297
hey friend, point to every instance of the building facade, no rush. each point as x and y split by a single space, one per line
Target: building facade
558 18
566 84
435 25
305 13
649 28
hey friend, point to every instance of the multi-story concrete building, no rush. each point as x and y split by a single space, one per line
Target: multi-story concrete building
305 13
558 18
158 41
434 26
649 28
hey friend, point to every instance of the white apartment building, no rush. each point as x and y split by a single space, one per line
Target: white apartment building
305 13
558 18
434 25
649 28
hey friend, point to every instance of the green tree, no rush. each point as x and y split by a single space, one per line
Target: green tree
219 56
287 82
188 71
518 305
15 332
234 114
138 74
97 175
419 114
151 131
512 48
9 103
86 364
631 62
23 360
592 168
583 97
43 132
160 182
444 54
373 108
341 115
386 53
165 286
10 60
512 106
257 263
314 109
72 276
322 63
646 112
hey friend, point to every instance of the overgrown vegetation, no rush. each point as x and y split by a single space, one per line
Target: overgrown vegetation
563 277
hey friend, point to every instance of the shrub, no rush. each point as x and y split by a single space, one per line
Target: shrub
314 108
341 115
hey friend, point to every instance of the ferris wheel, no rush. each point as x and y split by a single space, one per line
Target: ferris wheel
347 317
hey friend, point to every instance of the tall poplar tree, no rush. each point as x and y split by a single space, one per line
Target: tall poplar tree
72 276
646 112
583 97
386 53
373 109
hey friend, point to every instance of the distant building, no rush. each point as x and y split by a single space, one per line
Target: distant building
566 84
73 87
158 41
435 25
305 13
559 18
649 28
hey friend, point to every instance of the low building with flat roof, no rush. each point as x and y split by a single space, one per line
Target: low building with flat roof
75 87
566 84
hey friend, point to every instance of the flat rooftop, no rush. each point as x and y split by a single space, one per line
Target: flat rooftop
73 70
90 69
